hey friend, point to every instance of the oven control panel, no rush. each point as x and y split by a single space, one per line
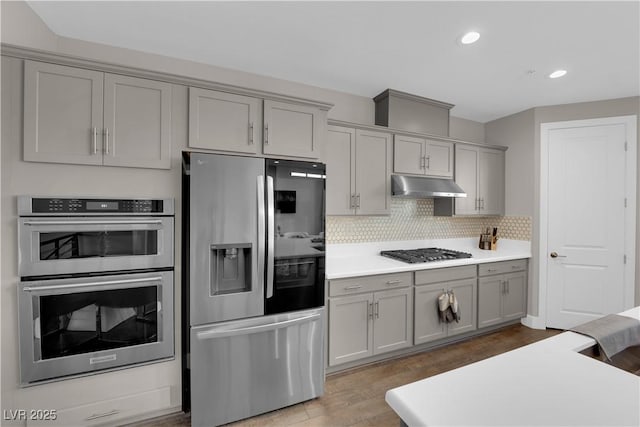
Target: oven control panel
93 206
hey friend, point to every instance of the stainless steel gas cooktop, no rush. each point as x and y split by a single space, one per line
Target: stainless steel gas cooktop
424 255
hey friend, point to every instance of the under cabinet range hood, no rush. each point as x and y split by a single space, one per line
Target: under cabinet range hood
415 187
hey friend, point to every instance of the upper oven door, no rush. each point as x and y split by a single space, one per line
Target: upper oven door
68 245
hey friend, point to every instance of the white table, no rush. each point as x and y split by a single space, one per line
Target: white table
546 383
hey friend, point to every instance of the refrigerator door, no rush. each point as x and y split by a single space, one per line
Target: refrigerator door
227 238
243 368
295 235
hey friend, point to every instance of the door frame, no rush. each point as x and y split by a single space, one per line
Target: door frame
630 123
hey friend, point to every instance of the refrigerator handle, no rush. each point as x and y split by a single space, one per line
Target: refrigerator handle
220 332
261 227
270 236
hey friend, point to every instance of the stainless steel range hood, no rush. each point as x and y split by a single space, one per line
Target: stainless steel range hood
415 187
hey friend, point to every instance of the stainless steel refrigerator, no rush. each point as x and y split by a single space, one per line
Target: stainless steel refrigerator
253 285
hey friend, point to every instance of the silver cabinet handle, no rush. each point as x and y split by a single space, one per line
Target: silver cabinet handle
428 161
491 270
358 200
422 163
503 288
394 282
482 203
106 140
351 288
95 140
370 310
515 267
266 133
251 133
353 201
104 414
270 236
506 282
377 309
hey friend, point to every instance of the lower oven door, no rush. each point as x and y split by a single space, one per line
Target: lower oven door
70 245
83 325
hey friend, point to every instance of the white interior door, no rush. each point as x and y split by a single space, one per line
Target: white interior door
586 223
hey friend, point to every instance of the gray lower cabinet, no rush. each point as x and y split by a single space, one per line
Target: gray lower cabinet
79 116
421 156
369 316
502 292
429 285
358 172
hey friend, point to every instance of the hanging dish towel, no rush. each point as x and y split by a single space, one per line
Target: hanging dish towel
448 308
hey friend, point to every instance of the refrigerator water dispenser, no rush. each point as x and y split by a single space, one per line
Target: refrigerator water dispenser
230 268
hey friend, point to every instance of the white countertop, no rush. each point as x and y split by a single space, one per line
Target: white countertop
363 259
547 383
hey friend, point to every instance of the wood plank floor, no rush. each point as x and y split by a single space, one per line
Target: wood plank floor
356 398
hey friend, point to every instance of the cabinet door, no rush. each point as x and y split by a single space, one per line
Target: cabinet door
340 159
224 121
373 172
439 158
491 182
465 292
62 114
392 320
427 321
292 130
467 178
490 300
408 154
137 121
515 296
350 328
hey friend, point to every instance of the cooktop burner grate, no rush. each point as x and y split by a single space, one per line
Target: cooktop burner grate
424 255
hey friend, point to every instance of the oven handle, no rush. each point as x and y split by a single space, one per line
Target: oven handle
90 284
96 222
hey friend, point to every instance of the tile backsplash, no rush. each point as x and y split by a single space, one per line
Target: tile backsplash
412 219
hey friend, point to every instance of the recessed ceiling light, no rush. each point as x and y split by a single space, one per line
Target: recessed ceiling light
470 37
557 73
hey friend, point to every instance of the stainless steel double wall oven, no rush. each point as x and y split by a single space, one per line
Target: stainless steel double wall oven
96 288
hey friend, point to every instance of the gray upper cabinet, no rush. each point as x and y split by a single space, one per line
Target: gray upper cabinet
248 125
63 120
224 121
358 172
480 173
293 130
420 156
137 122
80 116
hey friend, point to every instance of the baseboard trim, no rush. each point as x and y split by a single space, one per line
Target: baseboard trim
533 322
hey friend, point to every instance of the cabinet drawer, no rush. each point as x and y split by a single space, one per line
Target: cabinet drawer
439 275
110 411
368 283
502 267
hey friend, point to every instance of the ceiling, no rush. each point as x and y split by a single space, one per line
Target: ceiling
365 47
